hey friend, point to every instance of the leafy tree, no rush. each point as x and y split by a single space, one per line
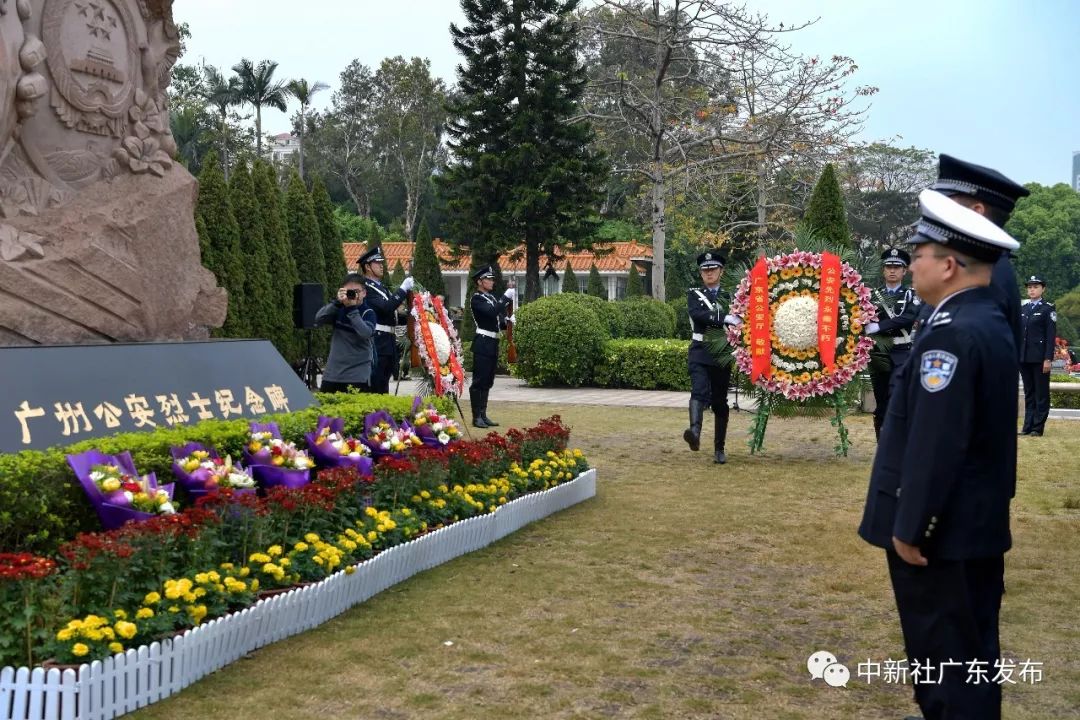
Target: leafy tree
1066 329
333 252
397 275
409 117
221 94
595 286
524 172
189 125
426 267
1068 305
221 246
825 214
569 279
258 88
1047 224
304 235
256 301
881 185
282 266
304 91
634 286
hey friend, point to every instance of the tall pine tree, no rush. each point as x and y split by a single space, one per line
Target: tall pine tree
329 234
304 233
281 267
825 214
569 279
634 286
257 302
222 243
524 174
397 275
426 268
595 286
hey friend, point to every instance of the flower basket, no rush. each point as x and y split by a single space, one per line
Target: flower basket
210 474
274 462
114 508
386 437
330 448
434 429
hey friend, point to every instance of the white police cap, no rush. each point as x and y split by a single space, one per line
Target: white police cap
951 224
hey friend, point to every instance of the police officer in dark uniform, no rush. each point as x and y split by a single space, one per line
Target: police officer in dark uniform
385 304
945 469
489 315
897 308
708 307
1039 320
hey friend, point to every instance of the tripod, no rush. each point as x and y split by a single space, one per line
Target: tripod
308 368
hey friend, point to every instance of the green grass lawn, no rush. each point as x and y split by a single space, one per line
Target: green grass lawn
683 590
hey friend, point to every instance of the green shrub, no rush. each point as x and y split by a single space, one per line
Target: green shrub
683 328
645 317
560 339
644 365
43 505
609 313
1064 400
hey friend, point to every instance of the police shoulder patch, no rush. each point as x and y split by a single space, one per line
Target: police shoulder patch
1053 316
936 370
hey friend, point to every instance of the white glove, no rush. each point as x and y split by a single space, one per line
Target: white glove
407 284
511 320
510 293
733 320
871 328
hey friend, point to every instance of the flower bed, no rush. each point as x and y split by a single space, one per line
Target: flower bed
146 581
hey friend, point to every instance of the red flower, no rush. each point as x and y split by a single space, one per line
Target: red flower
24 566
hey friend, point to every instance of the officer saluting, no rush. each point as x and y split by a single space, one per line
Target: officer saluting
489 315
385 304
708 306
1039 322
945 468
897 309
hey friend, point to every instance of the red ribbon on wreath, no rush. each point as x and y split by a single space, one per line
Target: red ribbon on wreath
455 365
760 322
429 342
828 303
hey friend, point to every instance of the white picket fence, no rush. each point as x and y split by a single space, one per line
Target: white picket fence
108 688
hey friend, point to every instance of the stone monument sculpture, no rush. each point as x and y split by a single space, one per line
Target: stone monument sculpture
97 232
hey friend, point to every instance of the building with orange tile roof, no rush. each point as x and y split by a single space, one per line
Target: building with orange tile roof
613 261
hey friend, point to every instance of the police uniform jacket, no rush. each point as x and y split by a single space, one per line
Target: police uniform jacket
706 311
945 468
487 312
1039 322
384 303
1003 282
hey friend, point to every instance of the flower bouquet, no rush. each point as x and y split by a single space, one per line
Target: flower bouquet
330 448
386 437
116 490
273 461
434 429
438 345
201 470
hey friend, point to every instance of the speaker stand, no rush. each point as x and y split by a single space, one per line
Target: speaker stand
309 369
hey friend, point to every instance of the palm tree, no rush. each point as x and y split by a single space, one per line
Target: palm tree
189 132
222 94
258 88
303 92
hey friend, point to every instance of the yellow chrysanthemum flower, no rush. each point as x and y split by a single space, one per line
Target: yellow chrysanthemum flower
79 649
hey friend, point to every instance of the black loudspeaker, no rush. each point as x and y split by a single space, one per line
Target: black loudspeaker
307 299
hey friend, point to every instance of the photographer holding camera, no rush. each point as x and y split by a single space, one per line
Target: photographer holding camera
352 350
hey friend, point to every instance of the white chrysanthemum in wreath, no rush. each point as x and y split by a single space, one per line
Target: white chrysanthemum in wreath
795 322
442 342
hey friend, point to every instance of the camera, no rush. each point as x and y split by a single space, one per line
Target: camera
351 294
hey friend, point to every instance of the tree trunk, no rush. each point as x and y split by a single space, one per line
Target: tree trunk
258 131
659 234
358 201
301 142
225 146
659 223
532 269
762 209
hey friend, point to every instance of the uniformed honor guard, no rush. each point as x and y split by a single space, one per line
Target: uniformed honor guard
489 315
385 304
708 307
897 308
945 469
1039 320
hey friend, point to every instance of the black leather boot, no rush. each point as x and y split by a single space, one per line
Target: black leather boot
476 403
720 415
483 410
692 435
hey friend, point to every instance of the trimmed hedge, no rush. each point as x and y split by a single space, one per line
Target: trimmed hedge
644 365
645 317
42 505
1063 400
683 329
560 340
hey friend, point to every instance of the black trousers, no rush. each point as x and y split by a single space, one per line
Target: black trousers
949 612
483 375
1036 396
380 374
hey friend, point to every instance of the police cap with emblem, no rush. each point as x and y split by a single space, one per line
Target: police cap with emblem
986 184
483 274
958 228
895 256
373 255
710 259
1035 280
